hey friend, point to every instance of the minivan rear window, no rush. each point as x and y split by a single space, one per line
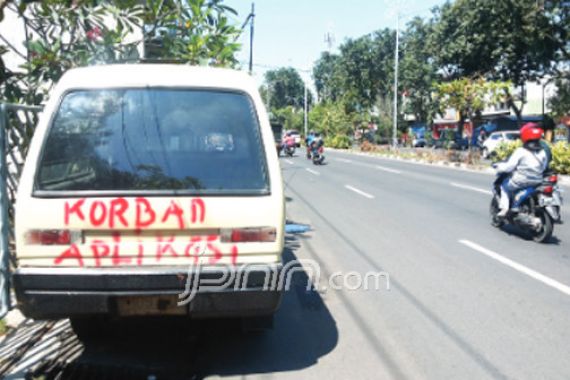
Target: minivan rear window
148 140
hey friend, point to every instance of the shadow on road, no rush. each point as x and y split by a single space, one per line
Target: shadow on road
515 231
304 331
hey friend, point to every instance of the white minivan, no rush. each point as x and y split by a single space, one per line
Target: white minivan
142 181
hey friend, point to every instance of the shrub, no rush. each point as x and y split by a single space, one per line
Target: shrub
504 150
560 155
367 147
338 142
561 158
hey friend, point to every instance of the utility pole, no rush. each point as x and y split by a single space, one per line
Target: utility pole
251 27
396 62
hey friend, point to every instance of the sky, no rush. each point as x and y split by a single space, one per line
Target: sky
292 32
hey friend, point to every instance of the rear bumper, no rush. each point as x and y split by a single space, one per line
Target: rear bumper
52 293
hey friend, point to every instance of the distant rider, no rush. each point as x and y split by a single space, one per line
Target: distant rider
526 166
288 140
309 141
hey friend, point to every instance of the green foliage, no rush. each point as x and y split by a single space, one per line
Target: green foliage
66 34
417 71
504 150
560 103
560 155
502 40
3 327
284 87
62 36
338 141
561 158
508 40
469 97
331 119
196 31
328 77
290 118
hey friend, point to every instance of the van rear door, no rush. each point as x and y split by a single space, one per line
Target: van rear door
152 176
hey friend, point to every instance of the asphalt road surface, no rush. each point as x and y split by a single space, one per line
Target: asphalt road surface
465 300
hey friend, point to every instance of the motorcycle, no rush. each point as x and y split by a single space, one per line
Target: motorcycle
289 150
317 156
555 204
531 209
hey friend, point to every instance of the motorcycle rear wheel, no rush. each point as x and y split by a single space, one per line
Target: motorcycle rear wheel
547 228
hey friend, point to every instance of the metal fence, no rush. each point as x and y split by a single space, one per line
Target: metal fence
17 124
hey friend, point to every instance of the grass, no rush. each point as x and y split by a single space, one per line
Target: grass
3 327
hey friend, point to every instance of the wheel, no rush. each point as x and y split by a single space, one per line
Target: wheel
493 210
547 228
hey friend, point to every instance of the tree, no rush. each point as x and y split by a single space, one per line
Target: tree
366 67
284 87
508 40
328 77
330 119
196 31
469 97
558 13
62 34
418 71
560 103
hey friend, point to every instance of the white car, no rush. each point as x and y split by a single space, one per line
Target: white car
141 182
495 138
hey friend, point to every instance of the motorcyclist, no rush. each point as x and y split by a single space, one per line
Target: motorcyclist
525 166
316 145
288 140
309 141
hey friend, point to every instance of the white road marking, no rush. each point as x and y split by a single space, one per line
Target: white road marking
369 196
312 171
519 267
467 187
289 162
344 160
383 168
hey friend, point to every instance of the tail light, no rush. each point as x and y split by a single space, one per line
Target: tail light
249 235
553 178
52 237
548 189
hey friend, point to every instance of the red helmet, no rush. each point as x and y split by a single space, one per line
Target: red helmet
531 131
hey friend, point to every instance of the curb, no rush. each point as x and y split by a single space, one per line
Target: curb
562 179
441 164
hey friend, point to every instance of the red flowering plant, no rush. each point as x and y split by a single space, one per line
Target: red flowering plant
61 35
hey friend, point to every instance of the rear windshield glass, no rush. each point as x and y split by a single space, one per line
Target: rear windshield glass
154 139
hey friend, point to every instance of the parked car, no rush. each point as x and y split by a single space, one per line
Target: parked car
419 142
449 139
496 138
141 182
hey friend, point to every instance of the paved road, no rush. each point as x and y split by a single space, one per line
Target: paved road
465 301
455 310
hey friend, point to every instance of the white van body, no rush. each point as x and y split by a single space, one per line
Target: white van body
140 178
